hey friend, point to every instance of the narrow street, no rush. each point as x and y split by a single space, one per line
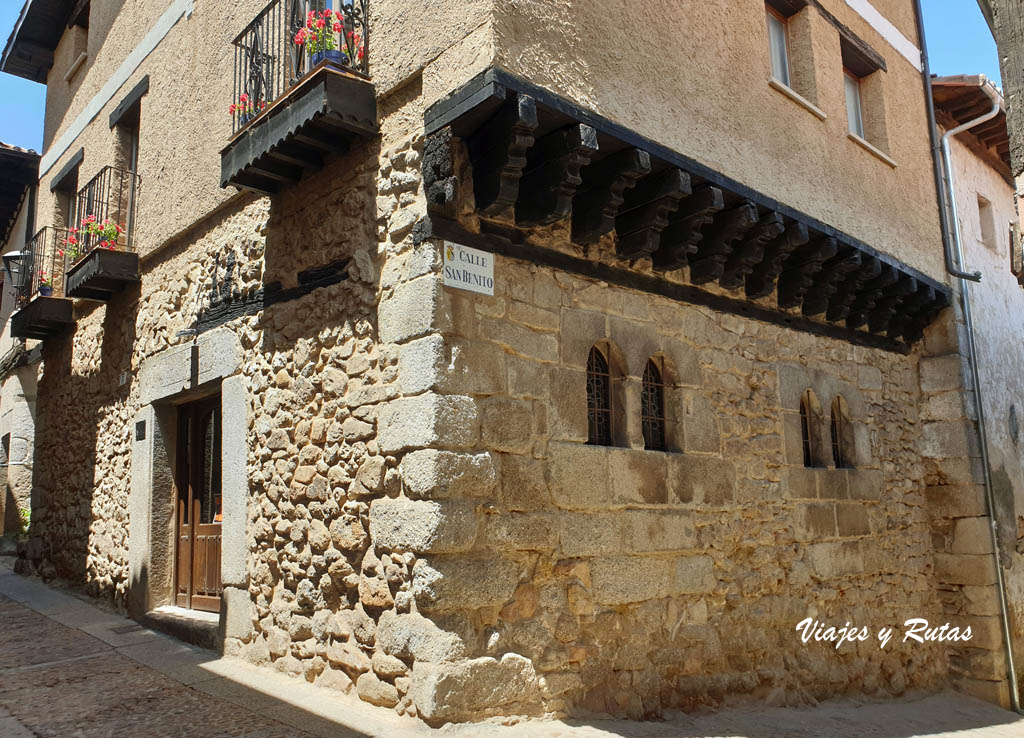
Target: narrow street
69 669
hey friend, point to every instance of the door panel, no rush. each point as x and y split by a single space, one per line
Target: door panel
200 509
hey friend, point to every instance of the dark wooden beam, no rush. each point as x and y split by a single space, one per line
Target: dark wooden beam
312 137
761 280
440 184
915 328
750 250
506 240
276 170
888 303
910 310
552 175
255 182
800 269
602 193
679 240
847 290
727 228
300 156
646 211
498 153
827 281
864 302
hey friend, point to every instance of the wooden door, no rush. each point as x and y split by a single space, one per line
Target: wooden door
198 583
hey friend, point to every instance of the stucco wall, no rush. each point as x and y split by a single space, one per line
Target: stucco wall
997 304
184 116
697 80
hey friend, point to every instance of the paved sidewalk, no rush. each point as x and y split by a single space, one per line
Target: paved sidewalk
69 669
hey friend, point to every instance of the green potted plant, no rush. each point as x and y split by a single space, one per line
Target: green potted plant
322 35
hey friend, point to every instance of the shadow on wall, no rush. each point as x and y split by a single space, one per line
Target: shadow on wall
12 518
79 525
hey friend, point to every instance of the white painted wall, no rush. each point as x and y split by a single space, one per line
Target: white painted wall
997 304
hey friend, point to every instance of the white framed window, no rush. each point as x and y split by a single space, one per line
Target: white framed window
854 114
778 45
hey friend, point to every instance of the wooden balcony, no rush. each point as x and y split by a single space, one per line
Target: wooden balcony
300 94
42 317
102 274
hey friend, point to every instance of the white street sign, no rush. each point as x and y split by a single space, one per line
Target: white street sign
468 269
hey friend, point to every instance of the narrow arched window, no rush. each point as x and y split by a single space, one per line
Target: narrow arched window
808 413
841 443
652 408
599 399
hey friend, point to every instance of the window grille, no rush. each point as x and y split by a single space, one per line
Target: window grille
599 399
652 413
840 430
805 429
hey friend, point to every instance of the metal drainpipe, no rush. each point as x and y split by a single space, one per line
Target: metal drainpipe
956 268
972 352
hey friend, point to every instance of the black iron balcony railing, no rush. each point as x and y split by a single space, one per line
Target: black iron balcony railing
288 40
105 210
43 265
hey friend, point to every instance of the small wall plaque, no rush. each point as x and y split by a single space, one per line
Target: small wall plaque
140 430
468 269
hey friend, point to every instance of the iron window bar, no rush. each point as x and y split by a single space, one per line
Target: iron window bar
110 197
652 408
599 399
42 265
275 51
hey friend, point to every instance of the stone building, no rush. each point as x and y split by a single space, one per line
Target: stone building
705 382
19 361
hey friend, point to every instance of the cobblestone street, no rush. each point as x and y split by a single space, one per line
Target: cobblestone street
69 669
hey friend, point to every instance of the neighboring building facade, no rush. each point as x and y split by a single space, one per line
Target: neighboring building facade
990 237
19 363
715 391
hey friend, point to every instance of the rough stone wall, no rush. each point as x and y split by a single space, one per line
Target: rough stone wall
623 580
316 370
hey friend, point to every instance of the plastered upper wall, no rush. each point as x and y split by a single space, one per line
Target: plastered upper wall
184 117
695 77
997 304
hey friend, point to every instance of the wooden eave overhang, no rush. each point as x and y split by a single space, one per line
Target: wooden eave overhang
962 98
20 170
321 115
674 226
37 31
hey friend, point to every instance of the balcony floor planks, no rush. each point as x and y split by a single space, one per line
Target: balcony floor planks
42 318
102 274
321 115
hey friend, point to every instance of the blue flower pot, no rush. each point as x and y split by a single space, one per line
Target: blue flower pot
331 55
45 290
